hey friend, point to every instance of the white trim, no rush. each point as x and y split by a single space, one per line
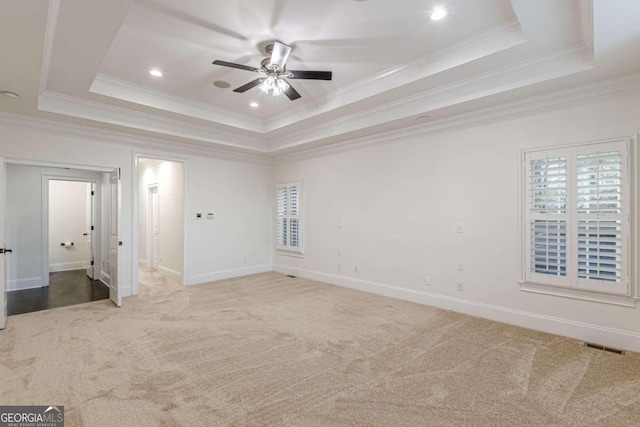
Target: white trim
86 109
49 35
519 74
26 283
67 266
586 21
127 91
505 35
149 214
105 278
170 273
130 140
197 279
610 337
577 293
513 110
290 254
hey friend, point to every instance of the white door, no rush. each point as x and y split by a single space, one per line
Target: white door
155 227
89 230
3 263
114 242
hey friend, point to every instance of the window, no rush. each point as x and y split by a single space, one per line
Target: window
578 218
289 218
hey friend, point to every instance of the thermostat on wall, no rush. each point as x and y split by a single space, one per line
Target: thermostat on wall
209 215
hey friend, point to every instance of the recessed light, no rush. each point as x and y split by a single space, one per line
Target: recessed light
155 73
221 84
438 13
254 105
8 94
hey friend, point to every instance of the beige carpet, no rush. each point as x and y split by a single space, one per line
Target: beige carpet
271 350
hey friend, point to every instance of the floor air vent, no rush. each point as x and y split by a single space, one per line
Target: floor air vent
603 348
293 277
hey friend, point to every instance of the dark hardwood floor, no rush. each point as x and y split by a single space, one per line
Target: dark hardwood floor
65 288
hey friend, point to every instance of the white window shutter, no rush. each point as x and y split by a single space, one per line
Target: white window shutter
547 217
289 217
578 203
603 200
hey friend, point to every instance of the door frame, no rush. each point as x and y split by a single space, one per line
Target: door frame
48 164
135 286
97 218
149 231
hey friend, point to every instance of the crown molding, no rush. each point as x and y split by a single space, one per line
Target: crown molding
526 72
129 140
86 109
560 99
49 35
586 21
499 38
126 91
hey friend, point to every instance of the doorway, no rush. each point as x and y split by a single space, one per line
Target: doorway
58 225
69 266
160 193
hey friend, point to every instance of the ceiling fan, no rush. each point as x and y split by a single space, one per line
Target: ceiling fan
274 73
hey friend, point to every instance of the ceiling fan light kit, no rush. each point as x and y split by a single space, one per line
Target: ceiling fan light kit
274 72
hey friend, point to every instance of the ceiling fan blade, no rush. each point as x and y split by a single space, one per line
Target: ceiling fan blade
311 75
291 93
234 65
248 86
279 55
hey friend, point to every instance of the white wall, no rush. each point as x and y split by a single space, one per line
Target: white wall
238 192
168 177
239 239
391 210
67 222
24 222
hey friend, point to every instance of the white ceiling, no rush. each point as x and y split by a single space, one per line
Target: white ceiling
87 62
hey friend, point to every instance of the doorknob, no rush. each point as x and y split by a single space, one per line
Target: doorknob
4 251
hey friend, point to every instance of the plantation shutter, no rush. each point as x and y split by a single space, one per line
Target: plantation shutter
547 217
603 201
289 227
578 204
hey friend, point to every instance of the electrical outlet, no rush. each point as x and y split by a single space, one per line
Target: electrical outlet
460 227
339 253
245 259
427 280
356 269
460 285
460 266
339 266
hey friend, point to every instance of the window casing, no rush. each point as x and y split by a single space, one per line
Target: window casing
578 219
289 217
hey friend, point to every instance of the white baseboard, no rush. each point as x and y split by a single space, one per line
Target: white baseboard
67 266
125 291
105 278
172 274
197 279
554 325
26 283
